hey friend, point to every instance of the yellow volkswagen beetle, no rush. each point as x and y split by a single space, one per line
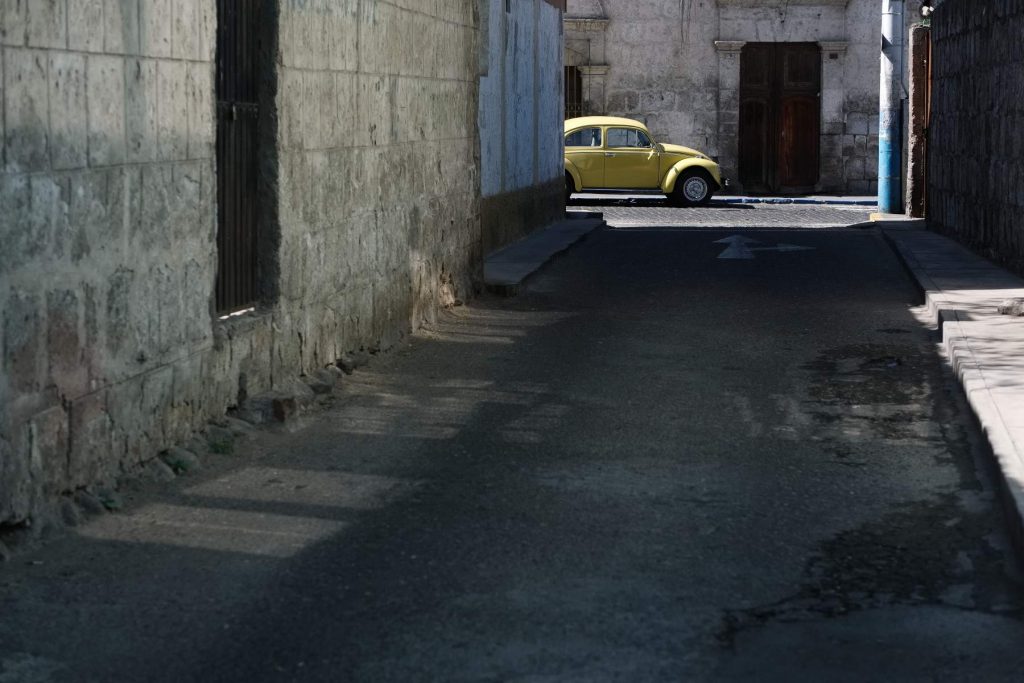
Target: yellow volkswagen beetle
606 152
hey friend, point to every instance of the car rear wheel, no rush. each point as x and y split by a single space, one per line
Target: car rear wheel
693 188
570 187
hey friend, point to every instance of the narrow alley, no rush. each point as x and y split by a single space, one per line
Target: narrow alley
655 464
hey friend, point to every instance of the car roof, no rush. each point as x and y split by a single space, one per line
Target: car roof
585 121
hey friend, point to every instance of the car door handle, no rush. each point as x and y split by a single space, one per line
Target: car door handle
609 154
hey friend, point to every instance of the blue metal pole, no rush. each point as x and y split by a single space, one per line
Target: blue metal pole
890 116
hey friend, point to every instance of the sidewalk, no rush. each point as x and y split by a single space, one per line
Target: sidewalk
505 270
985 348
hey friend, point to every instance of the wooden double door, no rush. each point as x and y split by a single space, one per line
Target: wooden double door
780 117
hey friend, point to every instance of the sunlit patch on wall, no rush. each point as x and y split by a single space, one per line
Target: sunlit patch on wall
205 528
306 487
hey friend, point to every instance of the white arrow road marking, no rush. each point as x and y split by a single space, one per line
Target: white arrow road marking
784 247
738 248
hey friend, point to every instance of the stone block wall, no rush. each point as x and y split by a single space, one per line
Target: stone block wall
106 233
110 349
379 167
975 143
520 120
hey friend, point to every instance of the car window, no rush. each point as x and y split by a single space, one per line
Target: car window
627 137
584 137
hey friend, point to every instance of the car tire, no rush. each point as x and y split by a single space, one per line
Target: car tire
570 187
693 188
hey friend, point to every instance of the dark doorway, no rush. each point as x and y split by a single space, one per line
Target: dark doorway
780 114
238 26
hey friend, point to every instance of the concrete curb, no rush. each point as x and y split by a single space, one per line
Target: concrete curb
815 201
962 291
507 269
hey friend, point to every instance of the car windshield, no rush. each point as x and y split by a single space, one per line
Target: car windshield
627 137
584 137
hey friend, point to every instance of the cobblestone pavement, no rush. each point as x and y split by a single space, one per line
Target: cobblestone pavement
654 211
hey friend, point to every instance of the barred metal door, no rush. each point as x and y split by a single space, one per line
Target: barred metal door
573 92
238 23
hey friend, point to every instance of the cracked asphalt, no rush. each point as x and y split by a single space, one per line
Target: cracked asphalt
652 465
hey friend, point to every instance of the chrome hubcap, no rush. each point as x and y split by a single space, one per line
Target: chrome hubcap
695 189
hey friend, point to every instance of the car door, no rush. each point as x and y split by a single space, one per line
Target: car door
631 159
584 148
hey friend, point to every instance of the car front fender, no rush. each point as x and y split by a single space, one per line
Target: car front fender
577 179
668 183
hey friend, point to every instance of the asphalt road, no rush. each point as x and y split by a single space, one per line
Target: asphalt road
653 465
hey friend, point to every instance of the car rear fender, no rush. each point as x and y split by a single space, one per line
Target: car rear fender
668 183
577 179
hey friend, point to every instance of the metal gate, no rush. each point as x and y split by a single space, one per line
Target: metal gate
573 92
238 24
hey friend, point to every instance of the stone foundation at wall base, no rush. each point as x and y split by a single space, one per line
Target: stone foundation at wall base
514 215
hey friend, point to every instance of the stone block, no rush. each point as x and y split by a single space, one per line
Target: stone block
310 110
91 458
239 428
122 332
855 169
13 22
343 34
290 86
207 31
181 461
856 124
26 110
97 212
20 246
50 443
106 88
220 440
85 25
155 216
158 471
89 503
861 187
185 43
47 23
155 25
833 128
200 112
65 345
142 100
121 26
24 341
70 514
172 114
68 114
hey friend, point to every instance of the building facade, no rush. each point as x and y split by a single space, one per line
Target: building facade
784 93
203 200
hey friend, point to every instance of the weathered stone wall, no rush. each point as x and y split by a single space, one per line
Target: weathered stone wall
520 120
106 226
110 347
975 143
675 66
